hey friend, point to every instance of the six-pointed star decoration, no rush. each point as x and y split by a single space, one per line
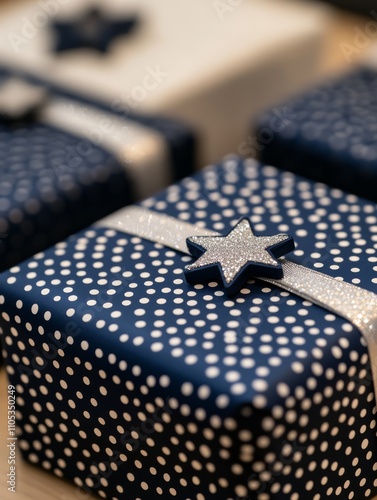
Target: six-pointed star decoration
237 257
94 30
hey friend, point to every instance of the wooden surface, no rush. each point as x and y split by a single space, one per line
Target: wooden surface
36 484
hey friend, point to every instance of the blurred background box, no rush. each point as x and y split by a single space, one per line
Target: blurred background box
213 64
328 133
65 162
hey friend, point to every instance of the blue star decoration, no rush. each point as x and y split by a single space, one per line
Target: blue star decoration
94 30
237 257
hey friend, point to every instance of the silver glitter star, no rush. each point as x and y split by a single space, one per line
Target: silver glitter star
237 256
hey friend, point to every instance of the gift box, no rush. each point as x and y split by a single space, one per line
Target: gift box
133 383
66 161
328 134
143 57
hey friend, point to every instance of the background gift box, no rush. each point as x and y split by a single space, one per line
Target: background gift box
211 64
65 161
328 133
135 384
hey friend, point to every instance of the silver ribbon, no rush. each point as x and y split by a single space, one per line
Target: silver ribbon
141 151
353 303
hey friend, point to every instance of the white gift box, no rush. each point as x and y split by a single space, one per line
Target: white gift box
214 64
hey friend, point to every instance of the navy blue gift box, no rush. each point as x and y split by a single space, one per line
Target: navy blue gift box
135 384
55 181
328 133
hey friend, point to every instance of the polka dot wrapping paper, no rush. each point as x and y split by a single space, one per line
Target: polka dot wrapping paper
328 133
135 384
57 172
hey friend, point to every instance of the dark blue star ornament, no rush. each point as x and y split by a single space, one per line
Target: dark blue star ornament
94 30
237 257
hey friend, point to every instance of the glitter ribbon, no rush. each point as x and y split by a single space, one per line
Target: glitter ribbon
353 303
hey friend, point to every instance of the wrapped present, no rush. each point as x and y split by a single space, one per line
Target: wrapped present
66 161
328 134
173 58
134 383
